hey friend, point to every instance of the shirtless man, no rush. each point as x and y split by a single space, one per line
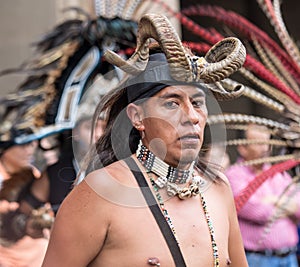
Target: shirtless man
106 219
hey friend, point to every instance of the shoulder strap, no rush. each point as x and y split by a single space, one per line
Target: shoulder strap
156 212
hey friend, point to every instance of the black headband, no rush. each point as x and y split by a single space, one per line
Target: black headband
154 78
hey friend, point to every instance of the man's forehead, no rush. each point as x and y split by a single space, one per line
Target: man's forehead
260 133
181 89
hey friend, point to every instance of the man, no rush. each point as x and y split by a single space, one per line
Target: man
268 219
152 203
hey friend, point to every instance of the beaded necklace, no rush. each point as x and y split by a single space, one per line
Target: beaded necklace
156 188
162 206
165 172
169 176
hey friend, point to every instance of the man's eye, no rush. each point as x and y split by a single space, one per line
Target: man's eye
170 104
198 103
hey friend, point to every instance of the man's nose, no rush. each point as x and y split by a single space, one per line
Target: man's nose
190 114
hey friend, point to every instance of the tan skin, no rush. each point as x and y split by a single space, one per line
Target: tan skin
18 156
96 226
255 151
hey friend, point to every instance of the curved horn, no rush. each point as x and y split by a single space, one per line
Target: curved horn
158 27
226 91
223 59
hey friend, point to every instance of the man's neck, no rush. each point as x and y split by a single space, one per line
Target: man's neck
156 165
257 168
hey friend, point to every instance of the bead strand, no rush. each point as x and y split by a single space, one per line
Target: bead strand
162 207
206 213
212 233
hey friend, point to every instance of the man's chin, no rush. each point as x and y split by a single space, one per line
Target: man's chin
189 155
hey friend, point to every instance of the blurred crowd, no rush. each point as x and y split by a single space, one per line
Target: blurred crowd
35 178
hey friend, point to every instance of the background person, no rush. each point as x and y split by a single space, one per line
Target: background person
14 157
270 238
22 238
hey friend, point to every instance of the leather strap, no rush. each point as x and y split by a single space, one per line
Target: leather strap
156 212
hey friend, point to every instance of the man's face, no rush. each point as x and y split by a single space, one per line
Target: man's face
256 151
20 156
174 121
82 133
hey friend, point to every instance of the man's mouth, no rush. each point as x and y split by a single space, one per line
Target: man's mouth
189 136
190 139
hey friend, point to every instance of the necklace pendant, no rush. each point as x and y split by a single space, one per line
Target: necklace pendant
195 190
161 182
185 193
172 189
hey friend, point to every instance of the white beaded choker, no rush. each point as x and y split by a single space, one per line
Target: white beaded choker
169 176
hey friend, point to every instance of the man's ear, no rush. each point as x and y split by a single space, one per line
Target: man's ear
135 115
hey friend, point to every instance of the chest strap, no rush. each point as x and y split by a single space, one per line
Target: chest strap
156 212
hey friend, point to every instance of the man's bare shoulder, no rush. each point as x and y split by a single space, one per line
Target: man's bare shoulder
222 188
117 172
115 183
92 193
224 178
